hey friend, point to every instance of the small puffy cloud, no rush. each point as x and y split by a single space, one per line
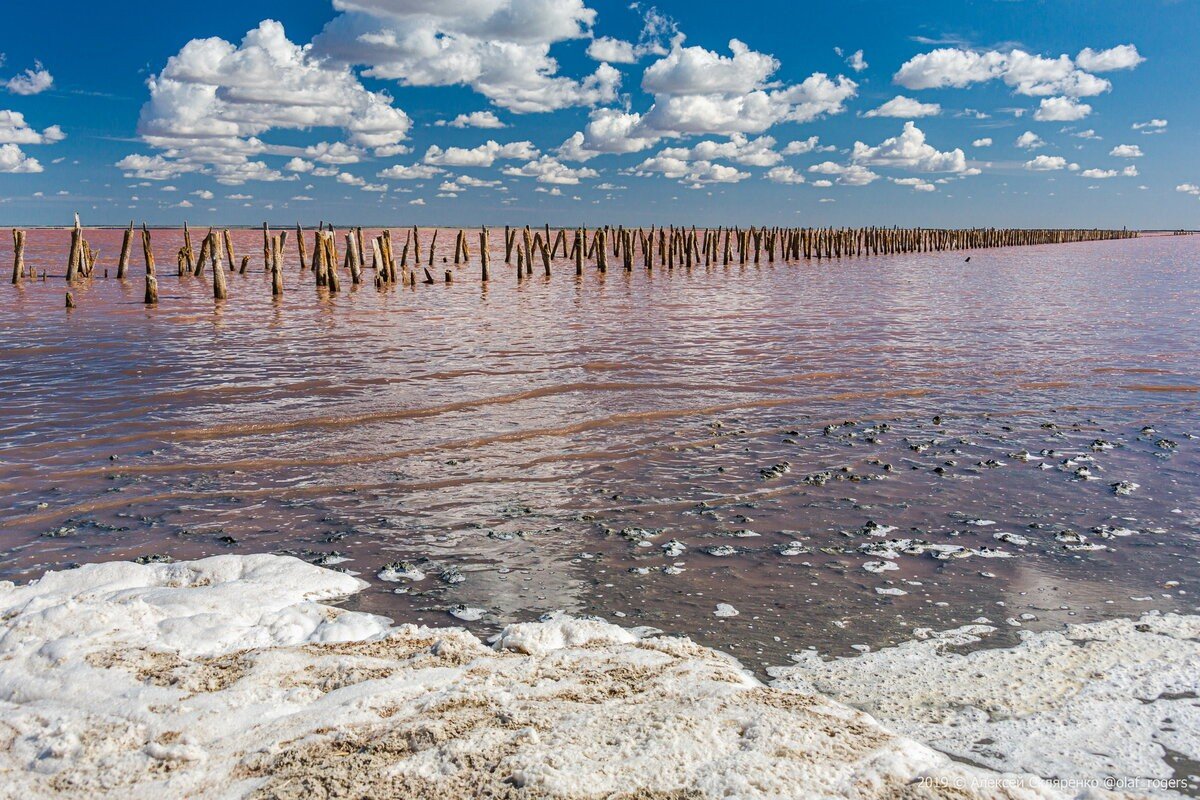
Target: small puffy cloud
476 119
786 175
905 108
335 153
910 151
14 161
810 145
1047 164
1061 109
153 168
822 184
1188 188
984 142
614 51
547 169
1098 173
1126 151
1123 56
696 173
411 172
31 81
203 194
484 155
1088 134
917 184
1030 141
753 152
1153 126
417 202
856 61
298 164
15 130
847 175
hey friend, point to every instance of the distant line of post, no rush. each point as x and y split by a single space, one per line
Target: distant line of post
665 247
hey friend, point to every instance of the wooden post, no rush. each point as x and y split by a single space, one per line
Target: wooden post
148 253
151 281
300 247
484 255
73 256
70 301
273 263
266 247
18 255
229 257
126 248
432 247
209 242
245 263
189 256
220 289
577 250
332 279
353 260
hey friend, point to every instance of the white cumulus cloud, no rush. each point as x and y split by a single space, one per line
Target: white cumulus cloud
1061 109
905 108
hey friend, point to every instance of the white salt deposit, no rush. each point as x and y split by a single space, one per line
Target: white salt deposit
228 678
1111 699
725 610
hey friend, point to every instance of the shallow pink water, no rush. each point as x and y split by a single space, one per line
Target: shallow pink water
511 432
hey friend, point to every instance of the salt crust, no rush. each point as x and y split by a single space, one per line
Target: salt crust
1118 698
229 677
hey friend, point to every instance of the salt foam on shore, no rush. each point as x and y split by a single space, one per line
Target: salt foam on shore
228 677
1119 698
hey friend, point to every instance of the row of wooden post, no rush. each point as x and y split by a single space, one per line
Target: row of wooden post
669 247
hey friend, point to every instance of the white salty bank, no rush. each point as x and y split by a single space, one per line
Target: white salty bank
228 677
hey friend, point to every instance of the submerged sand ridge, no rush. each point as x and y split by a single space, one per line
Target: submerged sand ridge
232 677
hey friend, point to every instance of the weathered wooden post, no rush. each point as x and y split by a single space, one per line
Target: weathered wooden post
220 289
228 240
300 248
207 250
189 256
484 255
267 254
353 260
126 248
276 272
151 281
18 255
333 281
147 250
73 256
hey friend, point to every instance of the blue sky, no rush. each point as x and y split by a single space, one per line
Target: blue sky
992 112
